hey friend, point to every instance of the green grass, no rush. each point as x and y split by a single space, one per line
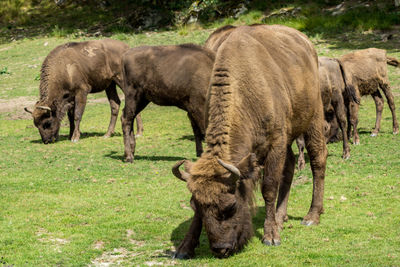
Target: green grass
59 201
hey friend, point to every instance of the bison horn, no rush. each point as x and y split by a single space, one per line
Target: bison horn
182 175
235 171
27 110
44 108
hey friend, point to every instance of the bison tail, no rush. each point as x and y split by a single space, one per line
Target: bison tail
393 61
351 92
349 87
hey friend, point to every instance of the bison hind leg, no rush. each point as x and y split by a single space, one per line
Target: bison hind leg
317 151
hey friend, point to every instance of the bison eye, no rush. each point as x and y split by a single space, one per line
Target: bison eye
66 96
228 212
46 125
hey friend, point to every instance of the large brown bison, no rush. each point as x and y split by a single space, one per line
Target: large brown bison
69 73
264 92
366 71
175 75
335 97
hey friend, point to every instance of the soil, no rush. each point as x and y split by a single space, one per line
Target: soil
14 108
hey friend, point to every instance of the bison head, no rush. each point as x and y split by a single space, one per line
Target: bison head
46 121
222 196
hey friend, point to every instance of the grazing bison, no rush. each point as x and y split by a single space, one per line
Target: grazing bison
264 93
366 71
175 75
69 73
333 91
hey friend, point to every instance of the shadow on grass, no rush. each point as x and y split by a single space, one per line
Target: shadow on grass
83 136
177 235
203 250
116 155
187 137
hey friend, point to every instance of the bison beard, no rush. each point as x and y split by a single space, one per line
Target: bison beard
263 94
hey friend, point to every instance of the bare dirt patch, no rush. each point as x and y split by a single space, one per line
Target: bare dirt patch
15 106
138 243
115 257
98 245
45 237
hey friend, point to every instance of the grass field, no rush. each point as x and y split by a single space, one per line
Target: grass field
69 204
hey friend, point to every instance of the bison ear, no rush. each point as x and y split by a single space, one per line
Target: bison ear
248 167
182 175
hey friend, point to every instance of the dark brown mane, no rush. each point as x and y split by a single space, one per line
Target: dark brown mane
220 100
46 68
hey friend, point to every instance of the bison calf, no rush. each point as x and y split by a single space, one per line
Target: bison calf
335 97
366 71
69 73
175 75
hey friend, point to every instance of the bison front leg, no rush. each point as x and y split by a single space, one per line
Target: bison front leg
316 148
127 119
80 103
71 121
115 102
379 102
354 122
198 136
340 113
273 169
191 240
301 162
139 125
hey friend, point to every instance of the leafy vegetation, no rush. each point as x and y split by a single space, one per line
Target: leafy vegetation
79 204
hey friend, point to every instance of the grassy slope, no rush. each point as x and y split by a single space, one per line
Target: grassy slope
57 202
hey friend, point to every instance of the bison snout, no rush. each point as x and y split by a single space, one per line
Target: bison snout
222 250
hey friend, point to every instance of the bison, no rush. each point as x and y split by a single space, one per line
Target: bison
69 73
366 71
264 93
336 97
174 75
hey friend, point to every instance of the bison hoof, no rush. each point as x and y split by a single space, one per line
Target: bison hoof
346 156
308 223
356 143
396 131
138 135
130 160
74 140
374 134
181 256
274 242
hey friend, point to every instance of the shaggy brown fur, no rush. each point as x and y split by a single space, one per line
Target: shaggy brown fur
69 73
216 38
366 70
264 93
333 91
175 75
